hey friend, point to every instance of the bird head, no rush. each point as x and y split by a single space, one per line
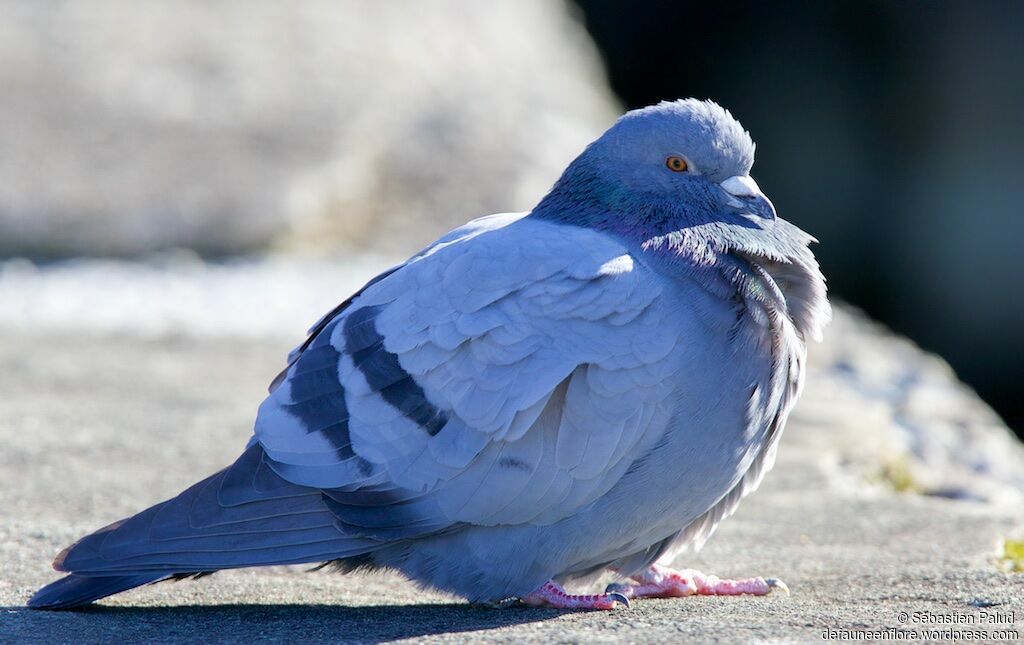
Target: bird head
678 161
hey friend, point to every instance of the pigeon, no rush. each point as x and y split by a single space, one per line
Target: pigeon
534 400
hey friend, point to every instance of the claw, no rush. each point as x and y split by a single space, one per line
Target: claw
775 583
617 587
618 597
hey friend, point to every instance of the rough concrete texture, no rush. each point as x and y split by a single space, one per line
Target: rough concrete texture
96 427
235 125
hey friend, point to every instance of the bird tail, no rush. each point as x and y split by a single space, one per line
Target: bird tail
243 516
74 590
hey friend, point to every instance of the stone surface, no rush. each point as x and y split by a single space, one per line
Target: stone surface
900 418
98 422
128 126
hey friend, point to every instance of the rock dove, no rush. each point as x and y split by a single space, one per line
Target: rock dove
534 399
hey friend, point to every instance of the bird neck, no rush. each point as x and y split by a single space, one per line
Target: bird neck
693 239
582 197
667 230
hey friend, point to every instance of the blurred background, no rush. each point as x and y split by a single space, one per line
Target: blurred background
237 167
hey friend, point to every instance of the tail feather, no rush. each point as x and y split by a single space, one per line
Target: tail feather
170 562
238 517
74 590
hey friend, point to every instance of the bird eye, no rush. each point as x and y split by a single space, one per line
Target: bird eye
676 164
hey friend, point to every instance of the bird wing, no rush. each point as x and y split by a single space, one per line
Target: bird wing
508 374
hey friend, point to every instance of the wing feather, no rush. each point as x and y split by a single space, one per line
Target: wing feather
507 374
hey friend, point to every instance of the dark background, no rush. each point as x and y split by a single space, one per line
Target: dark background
892 131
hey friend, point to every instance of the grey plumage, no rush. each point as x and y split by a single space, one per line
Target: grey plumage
595 384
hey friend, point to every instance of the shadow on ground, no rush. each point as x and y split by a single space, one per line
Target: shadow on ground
238 623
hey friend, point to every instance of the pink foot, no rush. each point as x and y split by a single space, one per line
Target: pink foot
662 582
554 595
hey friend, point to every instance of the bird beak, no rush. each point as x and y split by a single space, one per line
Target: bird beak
749 196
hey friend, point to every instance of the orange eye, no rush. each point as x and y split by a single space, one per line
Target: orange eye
676 164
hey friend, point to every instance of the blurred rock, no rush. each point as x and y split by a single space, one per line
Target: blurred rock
885 412
131 126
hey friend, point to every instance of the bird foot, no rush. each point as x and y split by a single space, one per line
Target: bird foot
662 582
554 595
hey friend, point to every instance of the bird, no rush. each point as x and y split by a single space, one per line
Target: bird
535 400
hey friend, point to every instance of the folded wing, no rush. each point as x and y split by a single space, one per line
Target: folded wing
509 374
